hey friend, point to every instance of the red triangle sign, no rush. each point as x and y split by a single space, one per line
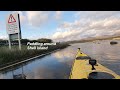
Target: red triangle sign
11 19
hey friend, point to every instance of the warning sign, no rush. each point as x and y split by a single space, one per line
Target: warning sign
12 24
13 28
11 19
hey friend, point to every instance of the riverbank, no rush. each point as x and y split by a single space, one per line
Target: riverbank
8 57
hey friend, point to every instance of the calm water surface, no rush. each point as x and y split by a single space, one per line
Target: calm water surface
58 64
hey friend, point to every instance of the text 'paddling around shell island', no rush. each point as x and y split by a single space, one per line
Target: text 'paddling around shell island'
41 44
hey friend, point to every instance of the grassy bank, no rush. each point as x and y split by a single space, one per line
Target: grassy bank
12 56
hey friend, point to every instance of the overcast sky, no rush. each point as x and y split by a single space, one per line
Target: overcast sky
64 25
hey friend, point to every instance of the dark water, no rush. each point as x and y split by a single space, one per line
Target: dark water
58 64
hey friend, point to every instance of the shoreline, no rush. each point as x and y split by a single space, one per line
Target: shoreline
38 55
26 60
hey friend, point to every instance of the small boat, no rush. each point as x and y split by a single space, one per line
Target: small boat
86 68
113 42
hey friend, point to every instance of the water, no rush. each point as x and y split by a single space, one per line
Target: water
58 64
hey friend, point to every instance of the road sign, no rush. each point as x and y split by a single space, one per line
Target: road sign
12 24
11 19
13 28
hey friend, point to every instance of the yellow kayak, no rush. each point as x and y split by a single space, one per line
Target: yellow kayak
86 68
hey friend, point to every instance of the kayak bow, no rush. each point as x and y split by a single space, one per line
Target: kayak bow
86 68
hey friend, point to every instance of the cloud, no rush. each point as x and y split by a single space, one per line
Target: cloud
90 24
96 14
4 37
37 18
58 14
33 18
65 35
22 16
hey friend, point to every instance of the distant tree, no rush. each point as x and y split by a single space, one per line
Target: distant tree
44 40
33 40
3 42
24 41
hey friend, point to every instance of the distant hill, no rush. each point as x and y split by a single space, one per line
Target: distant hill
106 37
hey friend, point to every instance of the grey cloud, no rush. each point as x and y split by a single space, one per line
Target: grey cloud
92 24
37 18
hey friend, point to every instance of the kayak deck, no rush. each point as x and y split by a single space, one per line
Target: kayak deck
81 69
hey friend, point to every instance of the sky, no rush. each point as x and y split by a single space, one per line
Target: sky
64 25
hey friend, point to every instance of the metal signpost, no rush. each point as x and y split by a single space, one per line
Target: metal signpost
13 28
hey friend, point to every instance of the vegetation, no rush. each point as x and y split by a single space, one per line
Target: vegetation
24 41
44 40
14 55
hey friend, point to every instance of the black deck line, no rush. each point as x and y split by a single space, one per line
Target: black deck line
83 57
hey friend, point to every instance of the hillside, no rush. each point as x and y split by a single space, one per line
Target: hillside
94 38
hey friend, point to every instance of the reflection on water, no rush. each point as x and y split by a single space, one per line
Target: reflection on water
53 66
58 64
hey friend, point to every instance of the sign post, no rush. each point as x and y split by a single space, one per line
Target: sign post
19 34
13 28
9 41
